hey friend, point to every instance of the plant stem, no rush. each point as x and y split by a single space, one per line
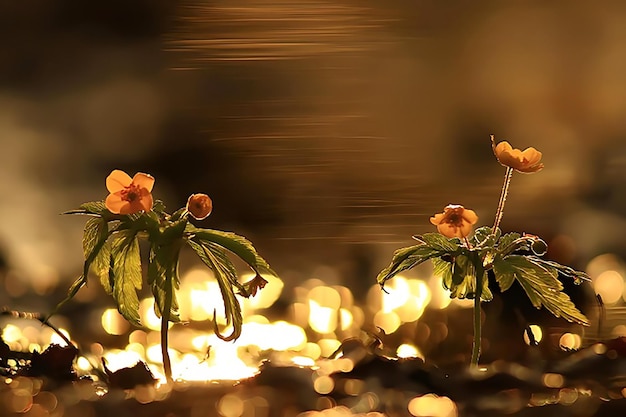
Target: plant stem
477 315
165 318
505 191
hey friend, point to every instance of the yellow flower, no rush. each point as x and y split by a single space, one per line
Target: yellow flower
199 206
526 161
129 195
455 221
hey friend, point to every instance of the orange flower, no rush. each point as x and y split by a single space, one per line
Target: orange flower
129 195
526 161
455 221
199 206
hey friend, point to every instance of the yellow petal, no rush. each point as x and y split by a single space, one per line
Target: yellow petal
143 180
117 181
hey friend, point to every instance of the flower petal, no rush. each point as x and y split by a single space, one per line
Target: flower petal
143 180
117 181
437 219
448 229
146 200
114 203
469 216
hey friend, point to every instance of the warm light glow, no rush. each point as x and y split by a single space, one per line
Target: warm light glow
148 317
409 351
610 286
230 406
552 380
264 298
389 322
117 359
570 341
440 297
113 322
323 320
58 340
324 385
537 333
430 405
346 319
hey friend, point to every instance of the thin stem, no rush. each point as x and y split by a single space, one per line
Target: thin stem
477 316
503 195
38 317
165 318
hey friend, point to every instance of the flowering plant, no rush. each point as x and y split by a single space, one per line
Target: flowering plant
464 261
111 249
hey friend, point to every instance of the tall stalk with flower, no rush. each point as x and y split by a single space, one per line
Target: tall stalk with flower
111 248
463 260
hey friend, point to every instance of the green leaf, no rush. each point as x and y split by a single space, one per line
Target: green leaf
126 274
577 276
506 241
443 269
407 258
483 237
439 242
163 279
223 272
504 272
543 288
463 278
94 208
236 244
97 231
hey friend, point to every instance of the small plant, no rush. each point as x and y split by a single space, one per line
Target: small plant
111 249
463 260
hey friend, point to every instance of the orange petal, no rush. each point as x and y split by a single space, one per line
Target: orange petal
143 180
464 230
437 219
532 156
469 216
146 201
447 229
501 148
114 203
117 181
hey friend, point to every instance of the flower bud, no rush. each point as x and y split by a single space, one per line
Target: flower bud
199 206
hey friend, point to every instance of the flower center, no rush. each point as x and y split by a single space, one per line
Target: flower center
131 193
454 218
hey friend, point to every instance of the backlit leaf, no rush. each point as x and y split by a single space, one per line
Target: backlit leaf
236 244
223 275
407 258
126 274
544 288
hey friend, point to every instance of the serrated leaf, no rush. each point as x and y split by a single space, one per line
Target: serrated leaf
223 275
504 273
486 294
126 274
407 258
507 240
443 269
234 243
483 236
439 242
463 282
563 269
163 280
94 208
96 231
544 289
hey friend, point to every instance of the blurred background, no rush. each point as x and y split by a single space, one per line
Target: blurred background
327 132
